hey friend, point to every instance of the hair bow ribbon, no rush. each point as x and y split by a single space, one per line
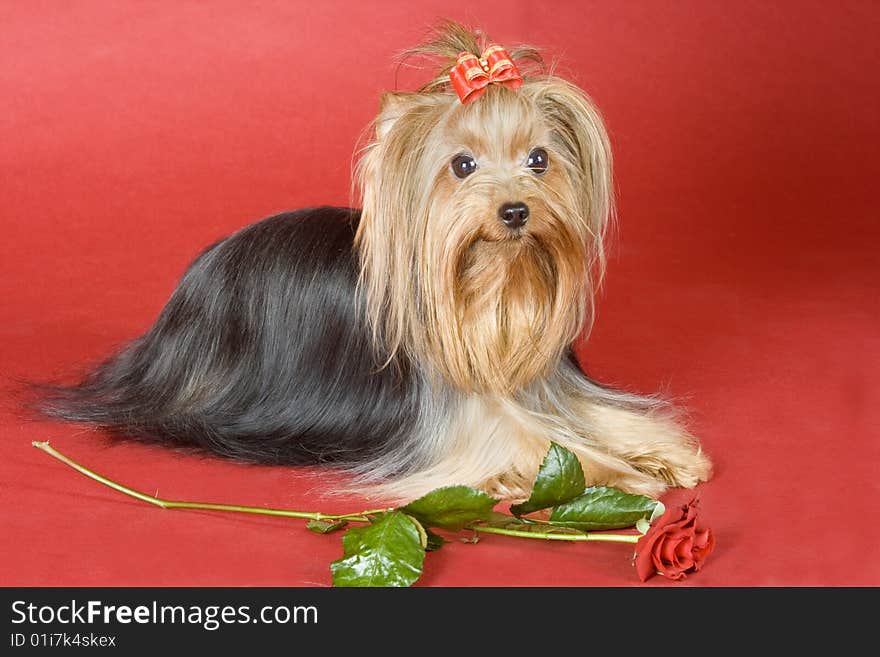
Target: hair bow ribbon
471 74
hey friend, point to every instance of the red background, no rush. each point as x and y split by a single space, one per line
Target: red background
744 280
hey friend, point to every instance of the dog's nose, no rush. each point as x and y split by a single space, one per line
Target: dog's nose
514 215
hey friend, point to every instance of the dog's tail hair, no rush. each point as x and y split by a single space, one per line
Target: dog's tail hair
154 389
261 354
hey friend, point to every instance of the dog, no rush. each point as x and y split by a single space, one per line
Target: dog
423 340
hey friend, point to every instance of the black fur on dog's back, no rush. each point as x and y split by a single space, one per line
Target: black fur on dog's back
261 354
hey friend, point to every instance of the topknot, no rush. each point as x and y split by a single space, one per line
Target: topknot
448 39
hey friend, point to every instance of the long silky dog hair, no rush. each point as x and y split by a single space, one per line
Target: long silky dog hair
419 341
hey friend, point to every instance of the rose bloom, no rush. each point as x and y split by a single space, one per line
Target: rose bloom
675 545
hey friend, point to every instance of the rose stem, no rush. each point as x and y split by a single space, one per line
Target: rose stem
360 516
549 536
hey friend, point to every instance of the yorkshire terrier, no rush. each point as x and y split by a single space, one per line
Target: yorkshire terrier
425 339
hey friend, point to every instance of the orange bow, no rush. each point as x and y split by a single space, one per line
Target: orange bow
471 75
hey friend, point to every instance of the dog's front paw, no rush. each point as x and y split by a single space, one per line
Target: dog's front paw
682 467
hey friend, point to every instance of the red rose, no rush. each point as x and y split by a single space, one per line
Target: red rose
675 545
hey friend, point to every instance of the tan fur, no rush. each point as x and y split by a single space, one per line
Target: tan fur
490 314
497 444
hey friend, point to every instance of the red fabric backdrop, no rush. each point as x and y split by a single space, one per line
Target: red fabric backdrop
744 280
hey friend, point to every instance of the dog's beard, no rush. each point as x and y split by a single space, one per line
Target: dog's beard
508 309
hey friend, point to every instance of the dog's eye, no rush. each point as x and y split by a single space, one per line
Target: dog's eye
463 165
537 161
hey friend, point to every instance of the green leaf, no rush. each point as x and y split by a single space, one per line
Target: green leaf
602 507
324 527
435 541
386 553
452 507
659 510
560 479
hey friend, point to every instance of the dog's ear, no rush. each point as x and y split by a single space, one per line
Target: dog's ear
581 136
395 104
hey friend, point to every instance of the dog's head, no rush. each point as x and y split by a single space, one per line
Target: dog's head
482 229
